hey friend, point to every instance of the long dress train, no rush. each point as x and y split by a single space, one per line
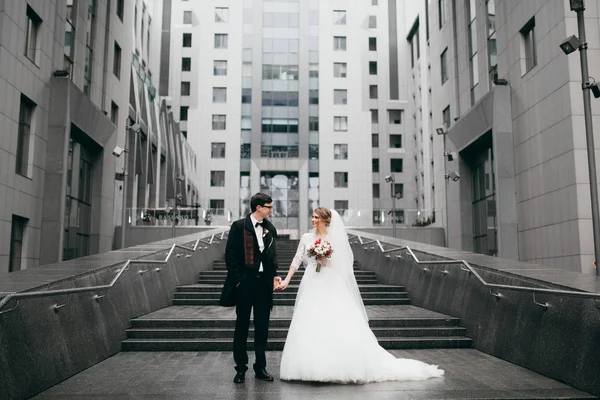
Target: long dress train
330 340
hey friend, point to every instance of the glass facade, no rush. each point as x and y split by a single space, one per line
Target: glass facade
485 224
283 188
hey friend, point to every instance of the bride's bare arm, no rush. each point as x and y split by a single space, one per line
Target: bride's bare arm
284 284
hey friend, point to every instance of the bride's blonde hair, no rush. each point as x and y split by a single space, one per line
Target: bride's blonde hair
324 214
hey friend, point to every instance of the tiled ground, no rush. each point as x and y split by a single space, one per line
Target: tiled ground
470 374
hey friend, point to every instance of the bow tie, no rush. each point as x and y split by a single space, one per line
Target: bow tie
259 224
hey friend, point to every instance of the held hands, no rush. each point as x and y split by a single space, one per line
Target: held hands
276 283
282 284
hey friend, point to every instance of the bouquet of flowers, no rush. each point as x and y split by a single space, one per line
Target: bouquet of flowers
320 249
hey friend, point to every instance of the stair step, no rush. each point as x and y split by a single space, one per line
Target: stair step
425 342
190 323
216 288
285 302
295 280
291 295
278 333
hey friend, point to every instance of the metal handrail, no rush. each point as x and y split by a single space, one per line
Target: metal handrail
471 270
58 292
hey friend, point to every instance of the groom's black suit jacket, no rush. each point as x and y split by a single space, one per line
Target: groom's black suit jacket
243 257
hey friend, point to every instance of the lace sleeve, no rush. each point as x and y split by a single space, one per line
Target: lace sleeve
300 253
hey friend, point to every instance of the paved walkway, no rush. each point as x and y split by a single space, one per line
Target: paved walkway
470 374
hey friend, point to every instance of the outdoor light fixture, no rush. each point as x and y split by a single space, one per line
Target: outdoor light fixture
451 156
440 131
61 73
570 44
117 151
577 5
135 127
453 175
595 89
500 82
389 178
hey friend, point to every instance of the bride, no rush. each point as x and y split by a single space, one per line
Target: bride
329 339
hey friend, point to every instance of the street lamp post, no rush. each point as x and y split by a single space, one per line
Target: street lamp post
579 7
391 179
125 177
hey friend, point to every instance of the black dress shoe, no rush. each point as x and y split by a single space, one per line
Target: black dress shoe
240 377
263 375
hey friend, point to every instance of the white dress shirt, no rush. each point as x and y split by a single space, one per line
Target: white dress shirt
259 236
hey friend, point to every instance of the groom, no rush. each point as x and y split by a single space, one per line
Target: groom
251 262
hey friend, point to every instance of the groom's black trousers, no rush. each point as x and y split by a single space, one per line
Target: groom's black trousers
254 293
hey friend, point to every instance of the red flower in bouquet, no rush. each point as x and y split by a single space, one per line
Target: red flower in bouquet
320 249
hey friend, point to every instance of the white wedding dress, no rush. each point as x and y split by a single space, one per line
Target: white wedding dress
329 339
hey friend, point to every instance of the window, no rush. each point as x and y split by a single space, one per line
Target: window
186 64
374 116
117 61
89 42
221 14
217 178
396 141
372 67
373 2
24 130
374 140
472 46
373 92
183 113
313 70
340 206
219 122
313 97
446 117
31 35
398 190
339 17
245 150
396 165
246 96
395 117
187 40
376 190
219 95
16 242
69 38
217 207
528 50
313 151
220 40
339 70
339 43
313 124
491 41
340 96
114 113
185 88
372 44
340 124
340 151
375 164
120 8
187 17
372 22
444 66
246 123
442 12
415 50
220 68
340 179
184 134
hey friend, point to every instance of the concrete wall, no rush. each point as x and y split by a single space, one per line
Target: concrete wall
560 342
138 235
40 347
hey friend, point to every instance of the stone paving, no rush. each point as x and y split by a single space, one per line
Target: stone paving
470 374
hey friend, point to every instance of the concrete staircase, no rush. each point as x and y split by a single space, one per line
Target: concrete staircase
185 328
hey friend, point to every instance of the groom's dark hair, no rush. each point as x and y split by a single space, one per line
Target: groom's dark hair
259 199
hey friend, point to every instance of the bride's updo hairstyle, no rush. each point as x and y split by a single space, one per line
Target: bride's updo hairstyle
324 214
